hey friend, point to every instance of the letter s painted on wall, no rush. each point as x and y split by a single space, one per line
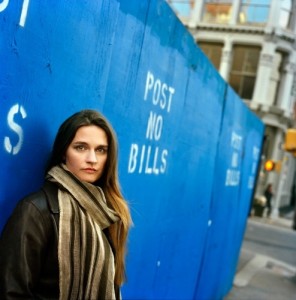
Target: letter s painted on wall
16 128
3 4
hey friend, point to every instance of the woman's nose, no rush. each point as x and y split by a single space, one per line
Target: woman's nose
91 157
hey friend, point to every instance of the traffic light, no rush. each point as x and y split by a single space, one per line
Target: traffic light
290 141
269 165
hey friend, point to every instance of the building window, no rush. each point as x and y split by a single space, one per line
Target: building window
254 12
213 51
182 8
217 11
286 14
243 70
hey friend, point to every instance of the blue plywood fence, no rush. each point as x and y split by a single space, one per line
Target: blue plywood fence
189 147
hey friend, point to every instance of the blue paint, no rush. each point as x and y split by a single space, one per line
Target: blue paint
238 151
174 117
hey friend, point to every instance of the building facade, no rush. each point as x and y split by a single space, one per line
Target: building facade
252 43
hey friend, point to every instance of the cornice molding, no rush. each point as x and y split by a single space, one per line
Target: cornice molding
269 33
230 28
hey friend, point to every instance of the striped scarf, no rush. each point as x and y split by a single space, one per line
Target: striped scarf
86 260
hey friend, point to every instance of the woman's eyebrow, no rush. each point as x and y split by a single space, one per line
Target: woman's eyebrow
80 143
85 143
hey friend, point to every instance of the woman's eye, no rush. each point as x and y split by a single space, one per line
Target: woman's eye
102 150
80 147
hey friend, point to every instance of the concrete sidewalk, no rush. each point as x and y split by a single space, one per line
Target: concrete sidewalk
285 222
260 277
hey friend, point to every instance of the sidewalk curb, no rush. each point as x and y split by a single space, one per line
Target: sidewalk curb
259 262
244 276
277 222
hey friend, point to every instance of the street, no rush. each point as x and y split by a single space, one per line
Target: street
267 264
272 241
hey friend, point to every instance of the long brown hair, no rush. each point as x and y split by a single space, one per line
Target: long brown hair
108 181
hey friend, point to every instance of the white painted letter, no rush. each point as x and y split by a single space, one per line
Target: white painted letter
148 170
149 84
133 158
150 125
172 91
162 103
142 158
158 128
156 92
155 169
24 13
163 160
3 4
16 128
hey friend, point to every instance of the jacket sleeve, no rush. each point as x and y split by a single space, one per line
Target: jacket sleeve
22 251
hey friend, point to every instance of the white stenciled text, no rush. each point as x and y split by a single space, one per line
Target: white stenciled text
233 173
24 11
151 157
16 128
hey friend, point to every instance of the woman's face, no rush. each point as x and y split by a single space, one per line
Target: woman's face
87 154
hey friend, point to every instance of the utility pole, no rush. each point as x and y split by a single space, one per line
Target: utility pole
279 190
289 146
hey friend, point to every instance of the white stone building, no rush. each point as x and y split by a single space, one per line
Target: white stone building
252 43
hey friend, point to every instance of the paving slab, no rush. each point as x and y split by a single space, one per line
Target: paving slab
263 278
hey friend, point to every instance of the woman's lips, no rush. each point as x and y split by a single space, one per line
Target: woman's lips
89 170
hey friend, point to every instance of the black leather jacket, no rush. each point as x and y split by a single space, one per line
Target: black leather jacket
28 249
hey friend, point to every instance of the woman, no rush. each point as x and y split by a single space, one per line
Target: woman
68 240
268 193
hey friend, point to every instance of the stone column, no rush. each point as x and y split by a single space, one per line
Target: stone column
274 14
274 78
293 17
235 11
264 71
286 84
196 13
226 59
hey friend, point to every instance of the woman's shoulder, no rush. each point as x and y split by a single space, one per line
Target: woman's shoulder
34 211
44 200
32 219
